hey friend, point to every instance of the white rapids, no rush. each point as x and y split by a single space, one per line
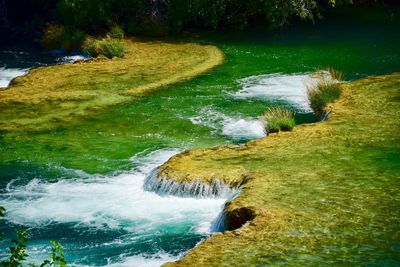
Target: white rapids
236 128
291 88
117 203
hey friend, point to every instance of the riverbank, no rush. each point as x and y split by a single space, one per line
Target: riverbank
48 97
326 193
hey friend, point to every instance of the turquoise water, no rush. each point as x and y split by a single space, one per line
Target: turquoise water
82 184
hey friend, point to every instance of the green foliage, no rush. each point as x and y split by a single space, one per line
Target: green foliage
56 256
95 16
18 251
237 13
57 36
107 47
116 32
2 212
279 119
323 94
159 15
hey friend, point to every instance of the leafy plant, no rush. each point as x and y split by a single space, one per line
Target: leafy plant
323 94
107 47
18 251
56 256
279 119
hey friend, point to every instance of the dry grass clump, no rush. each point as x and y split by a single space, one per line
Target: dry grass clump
321 95
336 74
279 119
107 47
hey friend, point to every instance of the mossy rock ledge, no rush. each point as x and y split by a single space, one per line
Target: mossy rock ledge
325 194
60 95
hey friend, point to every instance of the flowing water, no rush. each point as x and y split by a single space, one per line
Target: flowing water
83 185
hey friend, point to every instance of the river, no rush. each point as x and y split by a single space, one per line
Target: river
83 185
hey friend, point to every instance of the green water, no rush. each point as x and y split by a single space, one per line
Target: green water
188 115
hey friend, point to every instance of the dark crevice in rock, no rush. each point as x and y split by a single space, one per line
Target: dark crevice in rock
236 218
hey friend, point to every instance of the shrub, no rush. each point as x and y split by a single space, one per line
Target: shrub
323 94
336 74
116 32
56 36
107 47
279 119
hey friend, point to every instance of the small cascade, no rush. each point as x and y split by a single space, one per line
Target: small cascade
7 75
196 188
219 224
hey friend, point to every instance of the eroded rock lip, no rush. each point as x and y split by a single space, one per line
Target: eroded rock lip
196 188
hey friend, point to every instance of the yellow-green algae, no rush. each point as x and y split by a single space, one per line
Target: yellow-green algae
48 97
326 194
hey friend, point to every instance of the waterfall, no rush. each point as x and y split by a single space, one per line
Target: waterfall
198 188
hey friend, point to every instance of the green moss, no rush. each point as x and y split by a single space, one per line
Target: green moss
61 95
325 194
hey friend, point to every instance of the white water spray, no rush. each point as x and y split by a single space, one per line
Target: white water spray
282 87
198 188
232 127
6 75
110 203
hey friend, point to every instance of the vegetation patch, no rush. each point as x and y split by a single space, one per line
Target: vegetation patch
321 95
279 119
104 47
335 74
322 194
58 37
116 32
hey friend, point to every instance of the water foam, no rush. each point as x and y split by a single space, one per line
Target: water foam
110 202
143 260
235 128
165 186
6 75
73 58
282 87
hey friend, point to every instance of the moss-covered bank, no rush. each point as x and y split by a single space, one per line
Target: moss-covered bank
52 96
324 194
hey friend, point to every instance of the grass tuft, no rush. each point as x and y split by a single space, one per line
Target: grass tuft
107 47
279 119
336 74
323 94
